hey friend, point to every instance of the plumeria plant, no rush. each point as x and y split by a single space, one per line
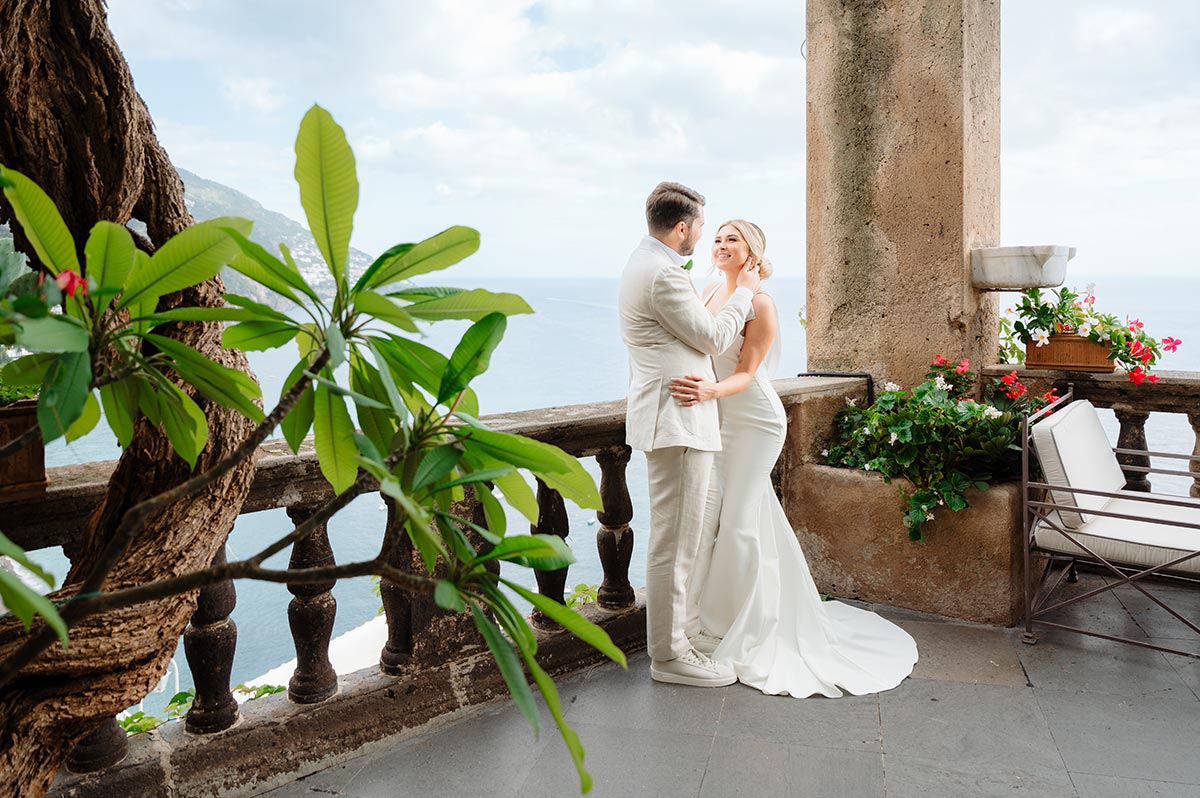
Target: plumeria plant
937 437
97 339
1038 316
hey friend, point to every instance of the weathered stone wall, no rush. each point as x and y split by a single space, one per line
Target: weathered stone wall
903 180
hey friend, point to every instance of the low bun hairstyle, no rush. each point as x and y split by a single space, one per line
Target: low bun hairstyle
756 241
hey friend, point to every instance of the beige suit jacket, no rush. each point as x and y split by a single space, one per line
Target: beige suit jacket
669 333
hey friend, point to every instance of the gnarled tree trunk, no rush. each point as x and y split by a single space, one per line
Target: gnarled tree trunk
71 120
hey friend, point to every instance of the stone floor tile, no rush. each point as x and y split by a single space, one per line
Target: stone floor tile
1092 786
1134 736
1067 661
625 763
850 723
1102 613
918 777
610 696
757 769
966 653
1156 621
978 731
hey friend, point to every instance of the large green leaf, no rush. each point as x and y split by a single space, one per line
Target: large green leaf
110 258
16 553
299 419
192 256
41 223
328 187
53 334
435 465
384 309
25 602
422 293
333 434
541 546
182 419
120 401
472 355
388 257
377 424
221 384
64 393
572 621
433 254
267 270
417 364
556 468
27 370
87 420
510 666
474 305
554 704
576 484
256 336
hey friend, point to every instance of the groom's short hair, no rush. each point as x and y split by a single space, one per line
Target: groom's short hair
672 203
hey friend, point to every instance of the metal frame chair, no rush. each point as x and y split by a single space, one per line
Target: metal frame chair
1043 505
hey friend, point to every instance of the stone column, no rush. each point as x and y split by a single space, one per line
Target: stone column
903 181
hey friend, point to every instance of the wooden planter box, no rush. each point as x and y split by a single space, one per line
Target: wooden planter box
23 475
968 567
1069 353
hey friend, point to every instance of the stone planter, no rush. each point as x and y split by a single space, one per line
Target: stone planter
1069 353
1019 268
969 567
22 475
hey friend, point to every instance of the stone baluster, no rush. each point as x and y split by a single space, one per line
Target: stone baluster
615 537
552 520
209 643
1133 436
108 744
310 614
1194 465
103 748
397 603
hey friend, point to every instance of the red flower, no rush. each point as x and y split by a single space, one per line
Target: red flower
1091 300
1137 375
1153 378
940 361
962 367
1009 379
1170 344
1017 391
1135 325
1050 395
70 282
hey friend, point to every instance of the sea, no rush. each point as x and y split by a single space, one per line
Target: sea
568 352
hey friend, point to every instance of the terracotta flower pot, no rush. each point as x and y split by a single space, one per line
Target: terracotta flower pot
23 474
1069 353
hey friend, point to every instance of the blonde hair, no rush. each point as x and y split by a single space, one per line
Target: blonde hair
756 240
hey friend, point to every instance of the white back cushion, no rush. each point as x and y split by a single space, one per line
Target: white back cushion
1074 451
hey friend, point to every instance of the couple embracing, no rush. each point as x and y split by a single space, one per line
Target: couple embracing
729 596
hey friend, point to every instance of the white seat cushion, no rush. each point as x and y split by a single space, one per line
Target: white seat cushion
1074 451
1142 543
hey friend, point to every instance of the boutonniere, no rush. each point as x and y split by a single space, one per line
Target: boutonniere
687 267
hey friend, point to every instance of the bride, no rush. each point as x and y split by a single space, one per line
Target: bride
753 601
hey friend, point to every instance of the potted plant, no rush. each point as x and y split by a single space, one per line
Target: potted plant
937 438
1063 330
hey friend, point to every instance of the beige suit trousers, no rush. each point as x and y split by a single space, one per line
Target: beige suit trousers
679 478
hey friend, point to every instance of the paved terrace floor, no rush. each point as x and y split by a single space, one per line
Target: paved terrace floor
982 715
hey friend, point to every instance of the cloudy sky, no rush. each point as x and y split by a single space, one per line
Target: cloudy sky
544 124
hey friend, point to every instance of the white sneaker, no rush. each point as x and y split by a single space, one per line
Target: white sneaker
705 642
693 669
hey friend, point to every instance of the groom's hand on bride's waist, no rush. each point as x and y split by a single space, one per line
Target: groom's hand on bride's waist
693 389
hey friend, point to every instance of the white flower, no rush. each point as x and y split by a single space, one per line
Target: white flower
928 516
1041 336
851 402
941 502
991 412
1084 330
866 466
893 438
941 383
891 386
866 430
1106 336
824 452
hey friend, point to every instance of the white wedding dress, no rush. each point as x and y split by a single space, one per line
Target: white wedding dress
758 594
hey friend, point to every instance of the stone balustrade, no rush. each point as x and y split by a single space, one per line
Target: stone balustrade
430 664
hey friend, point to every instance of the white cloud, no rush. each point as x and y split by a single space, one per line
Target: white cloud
254 94
1113 27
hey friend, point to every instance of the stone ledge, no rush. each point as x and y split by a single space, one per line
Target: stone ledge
277 741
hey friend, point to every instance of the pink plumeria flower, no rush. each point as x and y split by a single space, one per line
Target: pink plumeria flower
70 282
1170 344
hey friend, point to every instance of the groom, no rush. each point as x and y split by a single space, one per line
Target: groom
669 332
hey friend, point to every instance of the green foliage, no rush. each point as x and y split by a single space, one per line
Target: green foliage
1065 311
138 722
420 437
937 437
582 594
